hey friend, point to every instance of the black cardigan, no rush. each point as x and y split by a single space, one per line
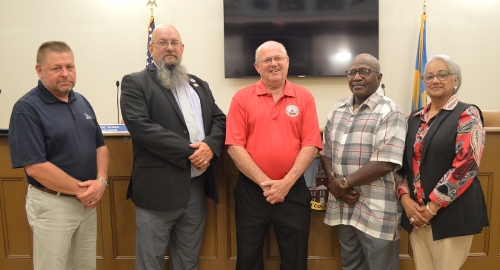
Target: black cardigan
467 214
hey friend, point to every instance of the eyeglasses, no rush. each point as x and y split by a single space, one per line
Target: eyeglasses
277 59
441 75
163 44
363 72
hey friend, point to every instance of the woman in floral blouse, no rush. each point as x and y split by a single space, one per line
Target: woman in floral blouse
438 184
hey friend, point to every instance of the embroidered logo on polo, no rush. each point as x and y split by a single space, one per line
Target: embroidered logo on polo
292 110
87 116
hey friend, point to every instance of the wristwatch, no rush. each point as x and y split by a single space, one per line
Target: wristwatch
104 181
344 183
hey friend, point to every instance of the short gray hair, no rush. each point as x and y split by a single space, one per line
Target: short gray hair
451 65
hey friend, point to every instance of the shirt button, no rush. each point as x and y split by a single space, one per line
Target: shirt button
185 132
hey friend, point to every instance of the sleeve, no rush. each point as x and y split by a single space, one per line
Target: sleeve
401 184
310 125
236 128
390 137
26 142
469 149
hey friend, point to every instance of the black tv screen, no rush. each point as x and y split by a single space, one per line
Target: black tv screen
321 36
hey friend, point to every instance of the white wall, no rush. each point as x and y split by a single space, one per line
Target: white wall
109 37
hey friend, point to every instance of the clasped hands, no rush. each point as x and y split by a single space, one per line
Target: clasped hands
202 155
93 193
275 191
418 214
348 195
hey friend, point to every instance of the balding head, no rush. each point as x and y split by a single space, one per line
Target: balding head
367 59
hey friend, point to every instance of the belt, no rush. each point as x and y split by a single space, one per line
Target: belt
44 189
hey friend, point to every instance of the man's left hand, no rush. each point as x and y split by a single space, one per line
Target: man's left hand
202 155
335 188
278 189
93 194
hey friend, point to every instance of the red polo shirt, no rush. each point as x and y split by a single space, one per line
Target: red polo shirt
273 133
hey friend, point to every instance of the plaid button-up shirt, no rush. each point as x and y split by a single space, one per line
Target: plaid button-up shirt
375 131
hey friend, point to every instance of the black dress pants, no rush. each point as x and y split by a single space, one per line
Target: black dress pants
291 220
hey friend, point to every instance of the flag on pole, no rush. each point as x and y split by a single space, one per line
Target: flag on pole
419 97
151 27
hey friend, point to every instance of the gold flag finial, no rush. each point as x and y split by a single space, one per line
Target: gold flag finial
151 3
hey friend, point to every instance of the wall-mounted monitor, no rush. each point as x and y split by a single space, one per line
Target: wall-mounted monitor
321 36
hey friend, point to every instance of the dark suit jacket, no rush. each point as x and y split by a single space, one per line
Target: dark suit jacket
467 214
161 175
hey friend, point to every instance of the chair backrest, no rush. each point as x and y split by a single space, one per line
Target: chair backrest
491 118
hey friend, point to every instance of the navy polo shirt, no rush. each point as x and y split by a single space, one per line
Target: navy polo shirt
43 128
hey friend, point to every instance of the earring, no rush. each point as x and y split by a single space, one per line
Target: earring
455 88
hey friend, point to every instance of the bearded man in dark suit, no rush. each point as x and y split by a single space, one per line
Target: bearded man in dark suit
178 133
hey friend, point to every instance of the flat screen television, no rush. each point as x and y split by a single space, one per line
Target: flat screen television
321 36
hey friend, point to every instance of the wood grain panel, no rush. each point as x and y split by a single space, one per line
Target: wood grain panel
116 219
16 231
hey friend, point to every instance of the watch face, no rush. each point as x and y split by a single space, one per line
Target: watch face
343 183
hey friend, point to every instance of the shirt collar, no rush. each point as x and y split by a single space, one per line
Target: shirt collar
371 101
47 97
448 106
287 90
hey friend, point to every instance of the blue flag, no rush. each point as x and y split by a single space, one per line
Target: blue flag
151 27
419 97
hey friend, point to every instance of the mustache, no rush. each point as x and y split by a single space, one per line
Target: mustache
171 54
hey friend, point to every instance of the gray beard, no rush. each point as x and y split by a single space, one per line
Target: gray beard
172 76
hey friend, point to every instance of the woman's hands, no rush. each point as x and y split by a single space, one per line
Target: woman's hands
418 215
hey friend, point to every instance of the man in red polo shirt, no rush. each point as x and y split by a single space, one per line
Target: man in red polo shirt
272 135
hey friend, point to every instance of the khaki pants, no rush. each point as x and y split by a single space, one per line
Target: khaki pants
449 253
64 231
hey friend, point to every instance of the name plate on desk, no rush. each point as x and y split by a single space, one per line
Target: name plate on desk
114 128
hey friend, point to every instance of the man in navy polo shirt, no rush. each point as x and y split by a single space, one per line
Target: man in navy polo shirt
55 137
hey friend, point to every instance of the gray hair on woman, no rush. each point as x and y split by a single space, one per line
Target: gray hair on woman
451 65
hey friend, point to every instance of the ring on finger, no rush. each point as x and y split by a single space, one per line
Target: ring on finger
412 220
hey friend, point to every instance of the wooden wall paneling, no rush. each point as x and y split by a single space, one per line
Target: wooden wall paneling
209 250
116 219
230 176
16 235
324 247
480 243
104 232
121 212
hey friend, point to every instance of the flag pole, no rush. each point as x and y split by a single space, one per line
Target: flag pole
151 27
419 96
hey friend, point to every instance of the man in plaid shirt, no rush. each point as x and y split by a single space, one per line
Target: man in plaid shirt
363 144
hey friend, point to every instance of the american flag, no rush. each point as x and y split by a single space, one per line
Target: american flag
151 27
